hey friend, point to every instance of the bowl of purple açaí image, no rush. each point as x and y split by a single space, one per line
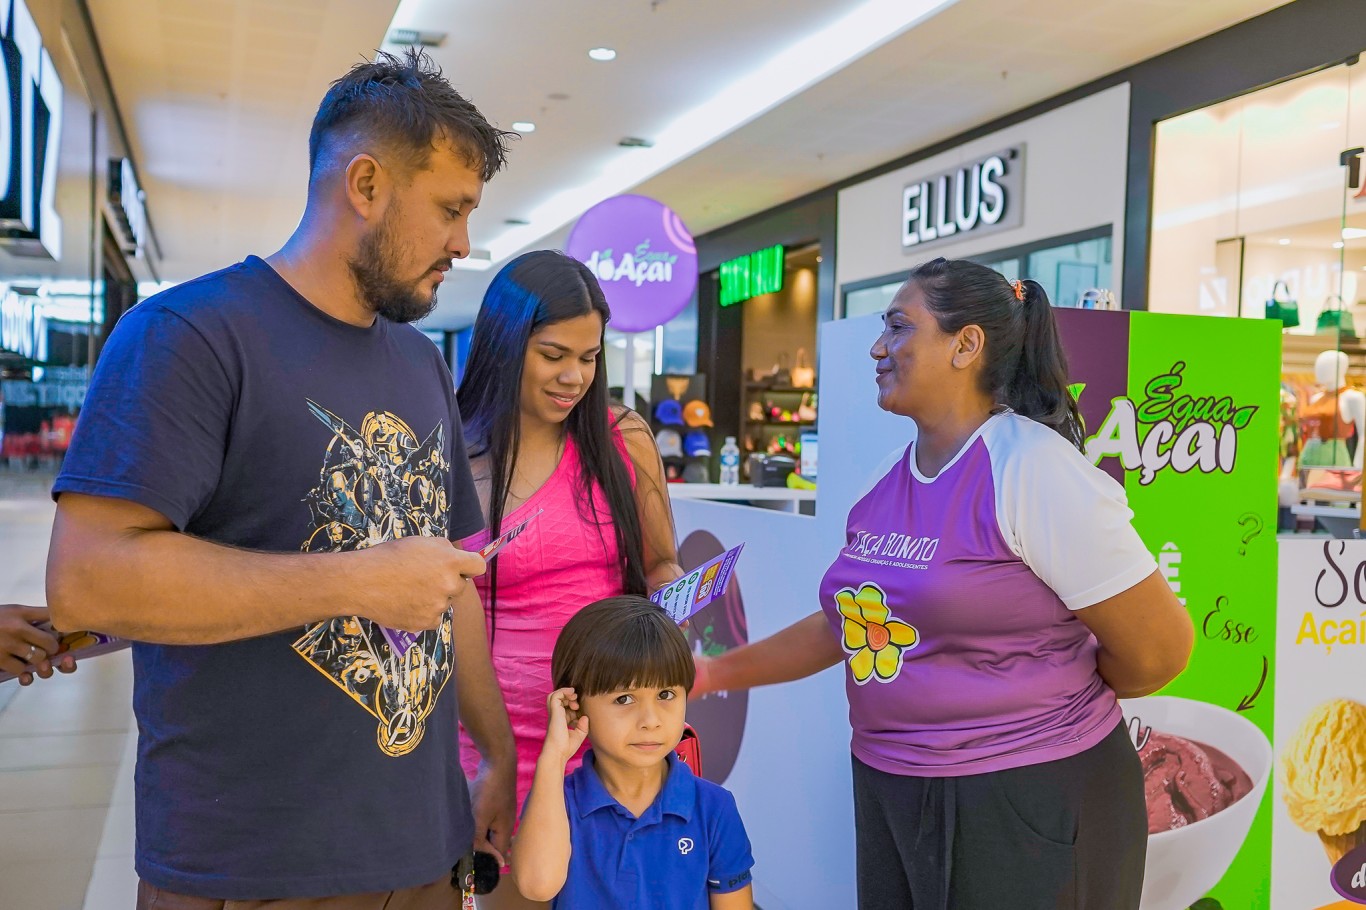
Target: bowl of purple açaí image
1205 773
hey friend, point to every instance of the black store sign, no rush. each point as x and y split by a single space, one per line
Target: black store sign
30 132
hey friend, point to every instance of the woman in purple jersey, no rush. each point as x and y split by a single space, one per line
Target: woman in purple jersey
991 601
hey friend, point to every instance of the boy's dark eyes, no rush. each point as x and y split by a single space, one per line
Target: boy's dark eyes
627 699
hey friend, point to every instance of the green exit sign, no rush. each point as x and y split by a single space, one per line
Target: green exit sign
749 276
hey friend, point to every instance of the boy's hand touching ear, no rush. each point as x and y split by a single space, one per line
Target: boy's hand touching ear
565 731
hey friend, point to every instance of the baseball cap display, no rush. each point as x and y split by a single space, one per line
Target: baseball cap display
697 414
669 412
670 444
695 472
696 443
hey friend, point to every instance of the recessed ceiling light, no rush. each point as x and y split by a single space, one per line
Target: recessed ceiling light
524 126
602 54
1337 245
860 27
1284 241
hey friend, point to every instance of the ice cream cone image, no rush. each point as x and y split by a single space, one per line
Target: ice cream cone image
1339 845
1323 772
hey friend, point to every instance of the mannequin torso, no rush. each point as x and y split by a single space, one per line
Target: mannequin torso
1332 415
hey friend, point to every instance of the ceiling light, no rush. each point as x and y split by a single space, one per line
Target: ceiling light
524 126
768 83
1284 241
1337 244
1353 233
602 54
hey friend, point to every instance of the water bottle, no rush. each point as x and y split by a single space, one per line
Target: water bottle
730 462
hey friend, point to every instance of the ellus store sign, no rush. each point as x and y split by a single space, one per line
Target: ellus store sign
978 198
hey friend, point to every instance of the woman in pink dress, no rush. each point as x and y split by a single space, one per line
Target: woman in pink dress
545 441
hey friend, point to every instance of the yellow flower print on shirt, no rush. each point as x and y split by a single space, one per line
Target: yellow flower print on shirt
875 638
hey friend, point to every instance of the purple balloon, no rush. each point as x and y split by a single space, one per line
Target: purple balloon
643 256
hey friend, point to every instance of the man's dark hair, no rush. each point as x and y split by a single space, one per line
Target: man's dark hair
403 106
621 643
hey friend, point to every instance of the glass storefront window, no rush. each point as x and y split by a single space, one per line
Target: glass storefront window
870 300
1256 214
642 360
1070 270
1067 267
676 351
670 348
1248 203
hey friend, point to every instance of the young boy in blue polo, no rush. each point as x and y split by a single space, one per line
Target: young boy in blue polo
632 828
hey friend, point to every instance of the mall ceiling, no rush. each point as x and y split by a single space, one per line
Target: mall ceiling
219 95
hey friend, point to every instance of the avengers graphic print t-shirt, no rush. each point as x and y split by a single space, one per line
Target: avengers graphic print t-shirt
954 597
319 760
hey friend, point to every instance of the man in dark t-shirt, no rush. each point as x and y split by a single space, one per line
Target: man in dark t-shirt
261 493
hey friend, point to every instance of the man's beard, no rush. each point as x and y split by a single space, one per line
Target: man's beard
372 267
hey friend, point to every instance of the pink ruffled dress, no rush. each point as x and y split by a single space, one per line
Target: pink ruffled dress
563 562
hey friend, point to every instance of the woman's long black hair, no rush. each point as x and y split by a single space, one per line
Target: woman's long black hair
1026 368
534 290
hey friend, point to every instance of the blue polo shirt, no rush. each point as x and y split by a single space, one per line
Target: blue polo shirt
690 843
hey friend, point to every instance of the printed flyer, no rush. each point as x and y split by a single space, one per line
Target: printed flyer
82 644
400 640
1191 433
1319 805
699 587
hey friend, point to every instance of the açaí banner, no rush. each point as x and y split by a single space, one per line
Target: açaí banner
1319 809
1183 410
644 258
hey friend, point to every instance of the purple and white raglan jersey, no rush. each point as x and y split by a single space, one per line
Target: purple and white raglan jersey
953 597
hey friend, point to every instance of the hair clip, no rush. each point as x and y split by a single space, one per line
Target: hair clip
1019 289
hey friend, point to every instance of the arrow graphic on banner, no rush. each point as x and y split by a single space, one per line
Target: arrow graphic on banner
1250 700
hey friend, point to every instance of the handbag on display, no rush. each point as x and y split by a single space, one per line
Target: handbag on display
781 375
1336 319
1286 310
803 374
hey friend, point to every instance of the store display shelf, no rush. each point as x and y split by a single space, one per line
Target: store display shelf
779 390
772 422
1299 351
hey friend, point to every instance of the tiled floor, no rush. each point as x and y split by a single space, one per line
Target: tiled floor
66 751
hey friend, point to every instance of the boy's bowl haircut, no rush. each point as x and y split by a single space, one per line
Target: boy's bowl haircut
618 643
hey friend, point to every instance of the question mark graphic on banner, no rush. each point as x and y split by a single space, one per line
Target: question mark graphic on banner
1252 526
